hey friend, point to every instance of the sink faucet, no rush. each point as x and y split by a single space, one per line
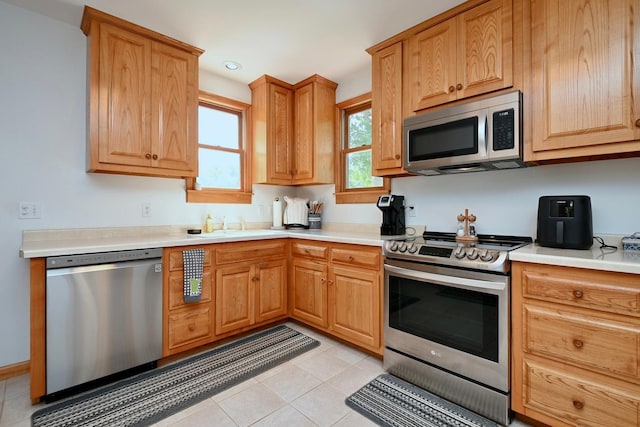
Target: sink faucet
224 222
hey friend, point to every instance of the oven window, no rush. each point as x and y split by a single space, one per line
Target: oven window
446 140
457 318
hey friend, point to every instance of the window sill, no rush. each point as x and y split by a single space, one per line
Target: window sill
361 196
218 196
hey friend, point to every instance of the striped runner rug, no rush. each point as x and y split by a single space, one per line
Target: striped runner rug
154 395
390 401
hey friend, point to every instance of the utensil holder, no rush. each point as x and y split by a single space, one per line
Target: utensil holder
315 222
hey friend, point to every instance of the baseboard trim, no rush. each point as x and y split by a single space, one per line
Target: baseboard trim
14 370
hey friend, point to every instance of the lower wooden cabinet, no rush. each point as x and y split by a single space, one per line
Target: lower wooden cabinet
252 291
337 288
186 325
576 352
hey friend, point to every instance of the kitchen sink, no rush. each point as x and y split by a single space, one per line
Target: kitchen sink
221 233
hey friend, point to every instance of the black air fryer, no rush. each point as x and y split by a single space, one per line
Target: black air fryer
565 222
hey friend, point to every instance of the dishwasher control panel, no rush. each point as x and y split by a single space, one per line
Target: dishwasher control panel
102 258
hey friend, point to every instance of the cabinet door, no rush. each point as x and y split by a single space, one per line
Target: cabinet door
386 110
432 67
355 305
234 298
271 289
304 133
484 49
309 291
585 76
174 101
122 134
280 134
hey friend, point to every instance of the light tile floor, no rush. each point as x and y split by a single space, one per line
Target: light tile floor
306 391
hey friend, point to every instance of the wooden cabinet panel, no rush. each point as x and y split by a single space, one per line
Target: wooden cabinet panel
143 99
585 78
186 327
176 259
244 251
280 134
355 303
387 110
584 340
578 400
271 292
309 291
176 289
234 298
360 257
303 129
309 249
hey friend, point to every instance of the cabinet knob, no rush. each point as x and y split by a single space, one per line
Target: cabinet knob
155 157
397 156
459 86
323 280
451 88
578 343
255 278
578 294
638 123
330 282
191 327
350 258
147 156
577 404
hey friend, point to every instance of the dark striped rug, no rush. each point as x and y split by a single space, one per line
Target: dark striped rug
154 395
390 401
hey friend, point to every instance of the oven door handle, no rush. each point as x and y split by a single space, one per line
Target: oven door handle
461 282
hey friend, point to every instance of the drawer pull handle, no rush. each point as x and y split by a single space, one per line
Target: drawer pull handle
191 327
577 404
350 258
451 88
459 86
638 123
578 343
578 294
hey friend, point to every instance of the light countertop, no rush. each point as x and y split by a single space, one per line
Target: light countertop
606 259
45 243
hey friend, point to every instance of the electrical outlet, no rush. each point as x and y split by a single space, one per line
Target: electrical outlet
29 210
146 210
411 211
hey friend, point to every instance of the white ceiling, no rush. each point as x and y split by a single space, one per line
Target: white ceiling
287 39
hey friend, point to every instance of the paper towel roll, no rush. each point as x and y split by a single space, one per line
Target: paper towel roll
277 213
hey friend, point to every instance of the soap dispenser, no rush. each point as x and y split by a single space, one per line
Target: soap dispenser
208 225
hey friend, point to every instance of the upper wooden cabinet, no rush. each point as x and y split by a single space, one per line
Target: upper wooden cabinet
584 87
293 131
143 99
467 55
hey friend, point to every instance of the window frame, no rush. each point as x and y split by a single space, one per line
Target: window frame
353 195
244 194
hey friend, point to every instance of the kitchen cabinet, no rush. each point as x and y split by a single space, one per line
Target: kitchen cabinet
387 109
250 286
467 55
186 325
143 100
337 288
575 345
293 131
584 79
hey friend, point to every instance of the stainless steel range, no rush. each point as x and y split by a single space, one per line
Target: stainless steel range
447 318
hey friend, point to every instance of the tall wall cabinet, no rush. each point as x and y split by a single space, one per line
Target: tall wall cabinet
143 99
293 131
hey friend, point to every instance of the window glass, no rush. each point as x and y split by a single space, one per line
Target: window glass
359 129
359 170
218 128
219 169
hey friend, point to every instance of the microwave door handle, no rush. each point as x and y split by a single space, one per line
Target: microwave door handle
483 133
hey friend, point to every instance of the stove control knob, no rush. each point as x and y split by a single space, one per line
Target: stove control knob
403 247
459 253
486 256
413 248
472 254
394 246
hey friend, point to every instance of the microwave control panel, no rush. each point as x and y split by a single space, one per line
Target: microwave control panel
504 130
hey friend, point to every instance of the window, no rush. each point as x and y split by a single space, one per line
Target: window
355 183
224 174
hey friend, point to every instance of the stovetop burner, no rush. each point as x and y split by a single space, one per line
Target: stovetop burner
490 252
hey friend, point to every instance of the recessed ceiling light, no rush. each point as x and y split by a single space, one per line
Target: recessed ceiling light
232 65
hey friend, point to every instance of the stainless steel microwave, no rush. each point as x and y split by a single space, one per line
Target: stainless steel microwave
470 137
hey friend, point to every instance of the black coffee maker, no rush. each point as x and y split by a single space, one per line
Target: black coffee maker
392 208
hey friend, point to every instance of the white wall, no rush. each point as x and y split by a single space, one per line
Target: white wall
42 136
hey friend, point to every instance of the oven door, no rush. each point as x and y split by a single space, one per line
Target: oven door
453 319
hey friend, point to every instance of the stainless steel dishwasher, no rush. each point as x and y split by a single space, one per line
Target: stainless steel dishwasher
104 315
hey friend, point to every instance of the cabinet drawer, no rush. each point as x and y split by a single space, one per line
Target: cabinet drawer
176 292
605 345
363 257
176 261
189 326
236 252
606 291
577 400
308 249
